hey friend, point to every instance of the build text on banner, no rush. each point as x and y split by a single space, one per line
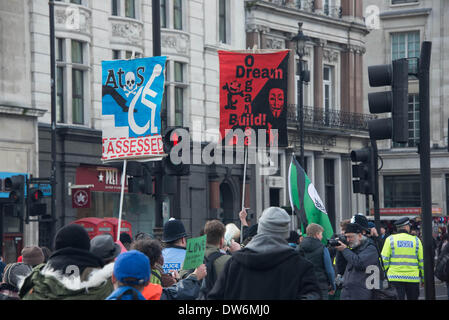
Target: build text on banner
253 94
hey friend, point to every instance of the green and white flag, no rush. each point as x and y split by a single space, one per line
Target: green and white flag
305 201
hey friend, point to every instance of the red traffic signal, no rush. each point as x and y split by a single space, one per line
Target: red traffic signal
35 194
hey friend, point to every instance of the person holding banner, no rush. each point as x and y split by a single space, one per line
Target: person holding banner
267 268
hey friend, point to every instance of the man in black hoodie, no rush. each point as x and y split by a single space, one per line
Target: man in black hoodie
267 268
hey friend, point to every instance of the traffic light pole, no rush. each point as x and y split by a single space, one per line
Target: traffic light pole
375 195
53 118
156 15
424 154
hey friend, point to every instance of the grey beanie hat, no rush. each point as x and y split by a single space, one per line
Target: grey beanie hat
274 221
16 272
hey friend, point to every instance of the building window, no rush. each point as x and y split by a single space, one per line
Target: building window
403 1
116 55
413 123
130 9
163 14
328 88
71 73
177 14
406 45
76 1
329 191
222 17
77 96
59 94
77 52
179 93
114 7
402 191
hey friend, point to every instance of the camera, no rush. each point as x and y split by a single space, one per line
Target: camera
335 242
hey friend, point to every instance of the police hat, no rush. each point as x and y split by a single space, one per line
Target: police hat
402 222
173 230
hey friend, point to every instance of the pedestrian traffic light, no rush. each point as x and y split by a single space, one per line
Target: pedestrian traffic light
15 185
394 101
363 171
36 206
174 163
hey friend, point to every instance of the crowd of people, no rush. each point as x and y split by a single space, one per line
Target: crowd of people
268 261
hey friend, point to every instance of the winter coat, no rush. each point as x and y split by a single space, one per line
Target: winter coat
125 293
46 283
8 292
313 251
358 259
220 262
185 289
267 268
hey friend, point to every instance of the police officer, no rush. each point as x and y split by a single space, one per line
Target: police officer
402 255
175 240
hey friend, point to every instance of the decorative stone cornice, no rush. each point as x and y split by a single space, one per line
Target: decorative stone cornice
274 43
21 111
72 18
126 31
330 55
177 43
257 28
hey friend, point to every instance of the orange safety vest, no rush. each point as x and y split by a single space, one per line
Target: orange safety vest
152 291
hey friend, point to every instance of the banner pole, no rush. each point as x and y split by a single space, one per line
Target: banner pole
245 155
122 191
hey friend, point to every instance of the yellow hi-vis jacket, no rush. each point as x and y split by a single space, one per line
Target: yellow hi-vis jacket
402 255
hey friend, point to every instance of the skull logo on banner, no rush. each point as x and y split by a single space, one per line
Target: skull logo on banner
130 86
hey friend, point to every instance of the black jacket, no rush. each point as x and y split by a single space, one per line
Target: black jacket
313 251
250 275
67 259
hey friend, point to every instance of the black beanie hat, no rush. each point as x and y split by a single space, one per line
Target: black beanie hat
353 228
72 235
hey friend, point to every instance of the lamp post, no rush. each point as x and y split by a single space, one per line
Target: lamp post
303 76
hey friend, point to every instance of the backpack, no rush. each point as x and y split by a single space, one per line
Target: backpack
211 276
442 268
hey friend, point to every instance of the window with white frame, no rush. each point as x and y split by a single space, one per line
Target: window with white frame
172 14
71 75
413 123
223 21
403 1
174 99
179 88
177 14
163 4
124 8
406 45
328 87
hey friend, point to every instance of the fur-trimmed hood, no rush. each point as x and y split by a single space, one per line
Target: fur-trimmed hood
45 283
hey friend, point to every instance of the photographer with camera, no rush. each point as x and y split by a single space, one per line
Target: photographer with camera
362 254
313 250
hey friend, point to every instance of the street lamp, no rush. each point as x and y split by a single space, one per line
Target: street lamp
303 76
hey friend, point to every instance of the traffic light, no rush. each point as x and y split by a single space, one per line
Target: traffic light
364 171
174 163
394 101
142 179
36 206
16 187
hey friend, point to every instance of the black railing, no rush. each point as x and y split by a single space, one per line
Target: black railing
329 118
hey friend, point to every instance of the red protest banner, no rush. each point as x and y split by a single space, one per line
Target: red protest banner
253 93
